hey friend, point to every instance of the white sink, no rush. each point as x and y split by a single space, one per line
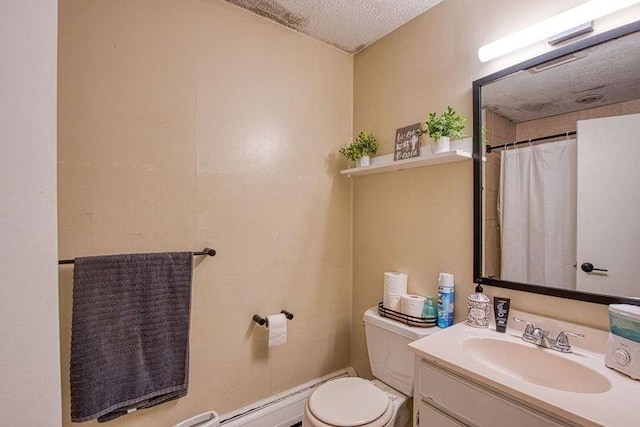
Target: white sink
535 364
576 386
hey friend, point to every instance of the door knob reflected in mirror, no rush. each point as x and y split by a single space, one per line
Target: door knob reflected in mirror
587 267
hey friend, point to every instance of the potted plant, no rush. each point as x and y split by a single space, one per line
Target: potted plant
360 149
442 128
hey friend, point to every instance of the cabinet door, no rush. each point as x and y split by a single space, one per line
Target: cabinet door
472 404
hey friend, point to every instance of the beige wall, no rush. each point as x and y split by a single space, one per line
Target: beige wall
420 221
29 349
186 124
192 123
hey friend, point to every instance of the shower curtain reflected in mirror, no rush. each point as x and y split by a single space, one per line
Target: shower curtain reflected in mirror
537 211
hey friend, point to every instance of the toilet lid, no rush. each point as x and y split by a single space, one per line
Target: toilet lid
348 402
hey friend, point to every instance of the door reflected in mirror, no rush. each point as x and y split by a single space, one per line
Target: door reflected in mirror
559 187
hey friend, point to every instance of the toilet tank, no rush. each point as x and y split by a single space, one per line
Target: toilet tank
390 360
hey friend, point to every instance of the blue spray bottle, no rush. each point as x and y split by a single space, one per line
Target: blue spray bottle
446 297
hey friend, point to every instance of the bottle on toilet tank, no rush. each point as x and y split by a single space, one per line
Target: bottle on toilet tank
445 300
429 311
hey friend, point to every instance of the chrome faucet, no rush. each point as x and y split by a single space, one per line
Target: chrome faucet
540 337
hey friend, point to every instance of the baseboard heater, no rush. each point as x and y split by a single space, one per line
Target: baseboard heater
281 410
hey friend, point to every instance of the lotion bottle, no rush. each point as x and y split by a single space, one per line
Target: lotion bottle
478 309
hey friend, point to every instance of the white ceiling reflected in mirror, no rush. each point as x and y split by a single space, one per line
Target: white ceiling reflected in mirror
558 194
601 75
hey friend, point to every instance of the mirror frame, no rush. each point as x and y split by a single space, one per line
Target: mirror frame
478 167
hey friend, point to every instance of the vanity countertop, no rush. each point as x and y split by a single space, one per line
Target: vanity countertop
613 407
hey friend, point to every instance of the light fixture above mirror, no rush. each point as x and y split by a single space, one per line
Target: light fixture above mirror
563 26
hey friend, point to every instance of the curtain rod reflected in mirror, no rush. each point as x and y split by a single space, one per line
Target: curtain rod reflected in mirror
589 86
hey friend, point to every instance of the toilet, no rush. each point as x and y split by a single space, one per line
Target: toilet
349 402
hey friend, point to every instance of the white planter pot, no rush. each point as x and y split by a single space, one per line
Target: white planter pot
425 145
442 145
363 162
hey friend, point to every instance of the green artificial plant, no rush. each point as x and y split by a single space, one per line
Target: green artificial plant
448 124
364 145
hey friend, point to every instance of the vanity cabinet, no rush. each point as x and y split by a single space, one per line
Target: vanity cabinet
444 398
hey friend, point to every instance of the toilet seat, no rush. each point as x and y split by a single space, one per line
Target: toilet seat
349 402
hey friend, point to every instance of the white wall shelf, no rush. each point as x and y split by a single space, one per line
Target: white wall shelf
382 164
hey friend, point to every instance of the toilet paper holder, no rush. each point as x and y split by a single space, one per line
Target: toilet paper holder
262 321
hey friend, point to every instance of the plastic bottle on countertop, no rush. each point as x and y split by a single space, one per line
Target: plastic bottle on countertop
446 297
478 309
430 311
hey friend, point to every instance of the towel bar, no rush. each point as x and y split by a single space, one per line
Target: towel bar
205 251
263 321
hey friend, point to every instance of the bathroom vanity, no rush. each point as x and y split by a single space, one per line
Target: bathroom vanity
447 398
468 376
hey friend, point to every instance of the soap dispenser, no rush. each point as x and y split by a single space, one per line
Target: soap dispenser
478 313
430 311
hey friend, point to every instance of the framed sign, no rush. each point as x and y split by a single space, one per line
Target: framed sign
407 143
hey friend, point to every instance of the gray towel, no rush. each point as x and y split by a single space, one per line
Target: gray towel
129 333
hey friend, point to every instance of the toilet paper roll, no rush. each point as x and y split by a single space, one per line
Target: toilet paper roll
391 301
277 329
412 305
395 283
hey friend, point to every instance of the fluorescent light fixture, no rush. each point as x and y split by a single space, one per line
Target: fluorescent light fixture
564 21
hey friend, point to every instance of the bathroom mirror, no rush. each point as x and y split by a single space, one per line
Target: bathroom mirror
556 195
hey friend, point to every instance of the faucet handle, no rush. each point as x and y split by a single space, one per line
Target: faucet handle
562 342
529 328
539 332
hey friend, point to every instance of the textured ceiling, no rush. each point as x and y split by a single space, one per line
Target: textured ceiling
610 69
350 25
